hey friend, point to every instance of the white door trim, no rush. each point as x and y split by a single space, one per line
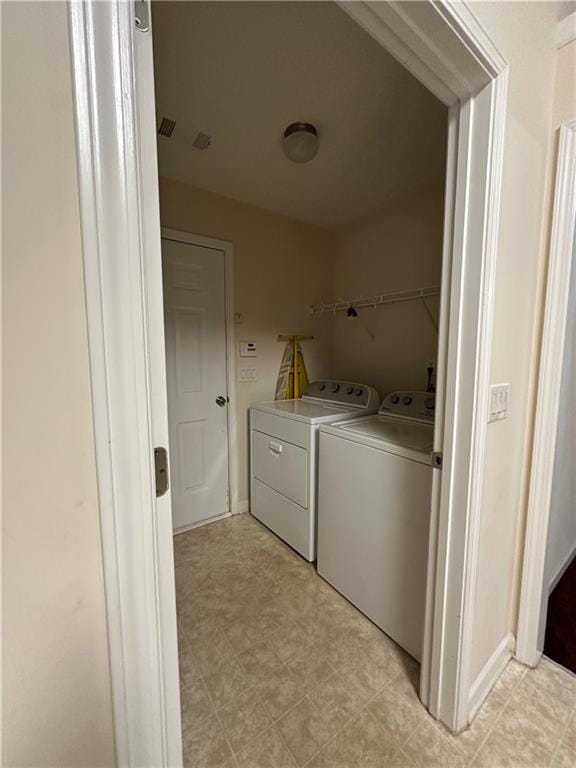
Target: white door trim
228 249
548 398
449 52
116 141
443 45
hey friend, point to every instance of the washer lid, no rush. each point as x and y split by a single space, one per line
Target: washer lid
312 412
389 433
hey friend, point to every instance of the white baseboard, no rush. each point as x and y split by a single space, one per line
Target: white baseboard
201 523
490 674
243 506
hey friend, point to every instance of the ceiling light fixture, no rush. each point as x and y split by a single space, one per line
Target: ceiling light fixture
300 143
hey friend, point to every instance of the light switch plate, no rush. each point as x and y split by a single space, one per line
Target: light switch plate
499 402
247 374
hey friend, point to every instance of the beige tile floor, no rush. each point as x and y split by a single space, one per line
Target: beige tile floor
278 670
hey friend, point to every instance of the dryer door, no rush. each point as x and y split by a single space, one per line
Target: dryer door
282 466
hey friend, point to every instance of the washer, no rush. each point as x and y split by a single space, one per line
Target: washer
375 490
283 456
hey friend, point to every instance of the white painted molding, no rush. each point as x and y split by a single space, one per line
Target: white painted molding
548 396
243 506
136 527
490 673
443 45
470 33
566 31
202 523
499 97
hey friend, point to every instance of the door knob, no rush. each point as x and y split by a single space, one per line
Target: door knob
221 401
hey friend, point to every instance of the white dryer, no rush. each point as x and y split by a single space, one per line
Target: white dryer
374 502
283 456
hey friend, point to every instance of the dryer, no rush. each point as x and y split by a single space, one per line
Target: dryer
374 504
283 456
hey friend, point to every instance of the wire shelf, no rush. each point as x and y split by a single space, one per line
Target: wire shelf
375 301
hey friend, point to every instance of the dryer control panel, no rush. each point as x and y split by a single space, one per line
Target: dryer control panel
410 404
343 393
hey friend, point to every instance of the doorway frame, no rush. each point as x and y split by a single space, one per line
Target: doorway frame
532 595
445 47
230 328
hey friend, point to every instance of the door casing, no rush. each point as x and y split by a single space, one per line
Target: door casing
228 249
532 597
443 45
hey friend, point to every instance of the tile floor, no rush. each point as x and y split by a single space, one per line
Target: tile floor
278 671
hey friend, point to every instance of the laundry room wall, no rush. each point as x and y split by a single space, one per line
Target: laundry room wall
398 248
281 266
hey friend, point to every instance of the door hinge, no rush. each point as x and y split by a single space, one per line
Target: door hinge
142 15
436 459
161 470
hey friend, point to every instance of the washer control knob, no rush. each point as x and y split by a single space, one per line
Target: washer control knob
429 403
407 400
335 387
349 390
358 391
395 399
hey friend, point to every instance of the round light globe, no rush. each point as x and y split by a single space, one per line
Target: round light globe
300 142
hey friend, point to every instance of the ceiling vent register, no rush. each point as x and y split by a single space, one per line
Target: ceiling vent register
186 134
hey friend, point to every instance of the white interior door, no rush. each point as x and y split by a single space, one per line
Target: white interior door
195 323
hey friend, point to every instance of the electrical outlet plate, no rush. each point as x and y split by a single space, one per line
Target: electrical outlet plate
499 402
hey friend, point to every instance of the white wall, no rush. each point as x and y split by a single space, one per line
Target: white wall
397 249
55 676
526 35
561 545
281 266
562 525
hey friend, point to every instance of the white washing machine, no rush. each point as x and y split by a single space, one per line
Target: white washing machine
374 503
283 456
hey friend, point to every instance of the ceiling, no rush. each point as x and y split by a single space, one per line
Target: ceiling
243 71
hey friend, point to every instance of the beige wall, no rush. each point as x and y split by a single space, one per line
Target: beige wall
397 249
562 526
55 676
526 37
281 266
565 87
